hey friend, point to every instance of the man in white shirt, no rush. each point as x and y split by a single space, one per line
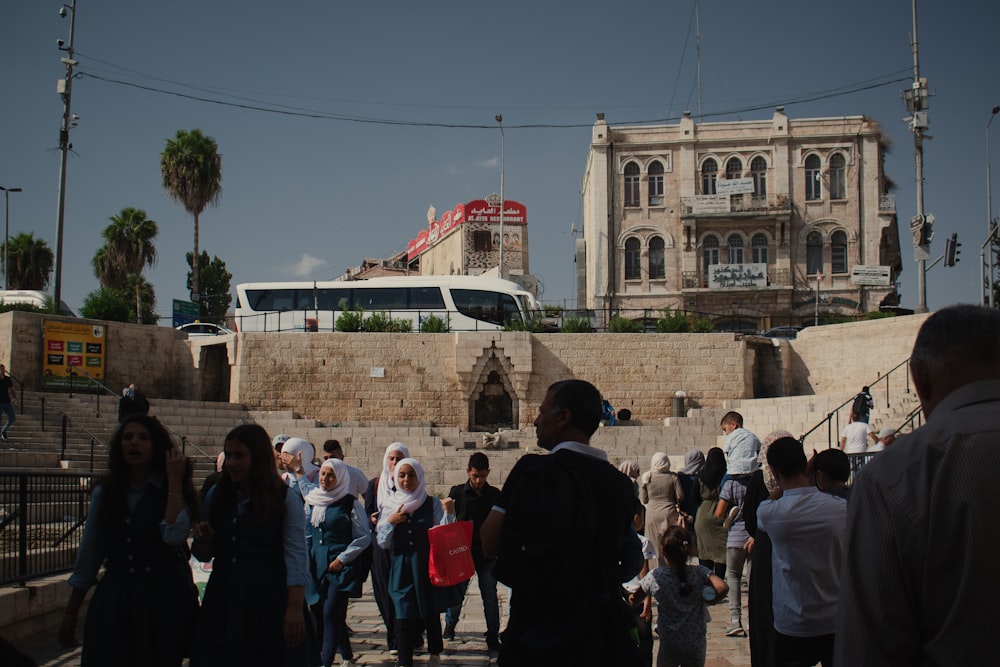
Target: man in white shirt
807 530
854 437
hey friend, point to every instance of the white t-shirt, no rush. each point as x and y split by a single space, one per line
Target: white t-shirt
856 434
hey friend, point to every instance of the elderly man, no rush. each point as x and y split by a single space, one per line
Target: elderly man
562 532
919 581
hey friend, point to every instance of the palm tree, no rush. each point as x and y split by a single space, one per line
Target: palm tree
30 262
128 248
191 168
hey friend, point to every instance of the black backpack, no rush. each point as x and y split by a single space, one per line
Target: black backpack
860 407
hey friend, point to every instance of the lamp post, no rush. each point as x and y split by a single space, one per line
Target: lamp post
500 121
987 280
65 88
6 233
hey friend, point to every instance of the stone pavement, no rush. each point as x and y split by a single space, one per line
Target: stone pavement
468 649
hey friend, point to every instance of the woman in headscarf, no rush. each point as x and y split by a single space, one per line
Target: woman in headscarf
694 461
630 469
402 531
338 536
660 491
711 535
759 612
380 489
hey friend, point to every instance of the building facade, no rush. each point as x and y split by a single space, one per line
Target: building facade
753 223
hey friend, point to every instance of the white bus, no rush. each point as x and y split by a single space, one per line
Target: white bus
464 303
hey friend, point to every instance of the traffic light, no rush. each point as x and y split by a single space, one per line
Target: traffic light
951 250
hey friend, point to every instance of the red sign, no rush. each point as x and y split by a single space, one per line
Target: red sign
458 217
514 213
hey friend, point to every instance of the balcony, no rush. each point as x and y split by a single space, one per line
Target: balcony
726 205
887 203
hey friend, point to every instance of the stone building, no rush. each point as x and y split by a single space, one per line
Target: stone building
749 222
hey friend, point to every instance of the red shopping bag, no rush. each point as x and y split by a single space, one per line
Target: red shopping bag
451 553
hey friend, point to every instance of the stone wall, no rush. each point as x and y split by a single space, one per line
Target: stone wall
380 377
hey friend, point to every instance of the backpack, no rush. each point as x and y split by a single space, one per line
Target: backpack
860 407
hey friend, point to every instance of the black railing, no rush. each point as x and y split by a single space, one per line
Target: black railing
100 389
95 440
41 521
833 419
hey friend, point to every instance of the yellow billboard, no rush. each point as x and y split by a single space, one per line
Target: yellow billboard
72 352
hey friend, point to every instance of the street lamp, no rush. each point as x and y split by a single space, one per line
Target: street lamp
6 233
500 121
65 89
987 281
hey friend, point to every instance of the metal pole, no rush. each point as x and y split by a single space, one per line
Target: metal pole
6 233
988 281
500 121
67 120
918 146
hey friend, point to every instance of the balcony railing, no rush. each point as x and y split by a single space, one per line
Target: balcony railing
887 202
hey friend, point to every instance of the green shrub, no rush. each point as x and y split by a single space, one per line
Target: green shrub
701 324
619 324
672 322
532 324
350 320
434 324
576 325
553 311
381 322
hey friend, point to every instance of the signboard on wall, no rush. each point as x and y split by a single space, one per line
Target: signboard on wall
734 186
874 276
72 351
710 204
737 275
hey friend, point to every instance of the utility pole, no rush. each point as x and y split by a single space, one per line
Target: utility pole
65 88
920 225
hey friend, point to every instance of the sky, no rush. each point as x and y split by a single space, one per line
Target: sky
310 191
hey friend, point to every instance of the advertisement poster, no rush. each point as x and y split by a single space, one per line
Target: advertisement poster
72 352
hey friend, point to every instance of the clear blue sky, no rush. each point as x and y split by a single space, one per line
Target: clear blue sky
306 198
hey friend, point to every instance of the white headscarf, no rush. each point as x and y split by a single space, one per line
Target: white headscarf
386 483
408 500
295 446
659 462
320 499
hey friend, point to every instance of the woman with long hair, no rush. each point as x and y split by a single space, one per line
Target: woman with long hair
139 519
338 537
254 608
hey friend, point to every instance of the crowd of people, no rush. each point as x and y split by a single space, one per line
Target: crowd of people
893 570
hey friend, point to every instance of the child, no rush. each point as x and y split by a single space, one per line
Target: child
681 592
643 614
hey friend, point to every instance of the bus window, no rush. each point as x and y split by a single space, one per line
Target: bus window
492 307
426 298
381 298
333 299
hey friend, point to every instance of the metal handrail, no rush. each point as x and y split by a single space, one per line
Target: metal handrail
94 439
97 394
834 415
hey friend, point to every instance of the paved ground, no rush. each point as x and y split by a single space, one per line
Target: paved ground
469 647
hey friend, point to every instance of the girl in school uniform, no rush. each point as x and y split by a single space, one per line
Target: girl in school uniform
254 610
402 531
139 519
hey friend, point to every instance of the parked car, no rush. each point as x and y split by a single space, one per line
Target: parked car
204 329
782 332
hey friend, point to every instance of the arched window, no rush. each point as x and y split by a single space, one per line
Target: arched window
710 253
758 171
838 177
814 253
657 267
632 253
838 252
734 168
813 178
735 245
709 172
631 184
759 245
656 184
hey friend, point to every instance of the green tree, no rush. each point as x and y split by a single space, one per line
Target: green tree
128 248
30 262
216 284
191 168
106 303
